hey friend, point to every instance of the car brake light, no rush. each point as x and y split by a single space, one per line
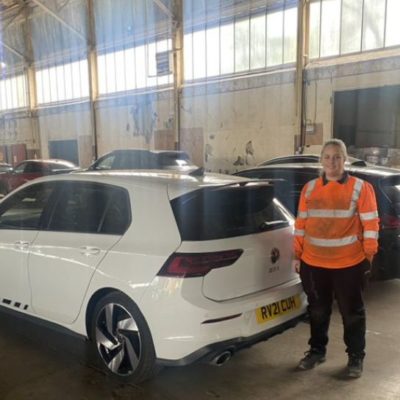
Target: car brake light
390 221
187 265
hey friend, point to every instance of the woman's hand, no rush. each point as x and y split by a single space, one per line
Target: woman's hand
296 265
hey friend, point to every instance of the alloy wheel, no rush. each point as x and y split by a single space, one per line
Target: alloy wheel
118 339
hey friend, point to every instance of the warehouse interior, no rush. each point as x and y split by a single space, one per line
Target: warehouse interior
232 82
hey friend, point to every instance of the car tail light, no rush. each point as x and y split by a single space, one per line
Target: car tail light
187 265
390 221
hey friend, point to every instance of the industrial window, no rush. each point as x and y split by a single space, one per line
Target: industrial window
63 82
339 27
13 93
139 67
238 44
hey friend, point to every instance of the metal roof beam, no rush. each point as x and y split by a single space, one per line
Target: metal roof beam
164 8
59 19
11 20
12 50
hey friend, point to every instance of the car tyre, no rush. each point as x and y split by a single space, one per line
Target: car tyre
122 340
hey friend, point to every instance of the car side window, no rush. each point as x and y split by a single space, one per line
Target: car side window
34 167
117 216
57 166
133 160
106 162
90 208
24 209
19 169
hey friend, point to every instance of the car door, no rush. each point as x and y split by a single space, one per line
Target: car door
87 220
20 221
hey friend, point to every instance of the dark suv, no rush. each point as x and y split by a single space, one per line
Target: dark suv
290 178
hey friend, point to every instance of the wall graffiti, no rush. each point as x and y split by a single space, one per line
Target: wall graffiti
248 158
239 158
145 119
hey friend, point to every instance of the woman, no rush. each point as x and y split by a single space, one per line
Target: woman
336 235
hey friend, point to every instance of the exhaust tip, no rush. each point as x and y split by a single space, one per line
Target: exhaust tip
221 358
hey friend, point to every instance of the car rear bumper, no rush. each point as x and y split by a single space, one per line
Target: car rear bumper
187 327
209 353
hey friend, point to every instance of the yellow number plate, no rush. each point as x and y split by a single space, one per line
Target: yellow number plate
278 308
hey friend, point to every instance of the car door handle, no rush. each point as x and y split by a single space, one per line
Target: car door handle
89 251
21 245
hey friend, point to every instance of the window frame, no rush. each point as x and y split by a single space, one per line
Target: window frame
70 83
361 34
15 88
229 24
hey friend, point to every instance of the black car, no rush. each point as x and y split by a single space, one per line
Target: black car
289 179
143 159
308 158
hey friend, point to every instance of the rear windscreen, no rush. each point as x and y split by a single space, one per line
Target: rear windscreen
229 211
391 188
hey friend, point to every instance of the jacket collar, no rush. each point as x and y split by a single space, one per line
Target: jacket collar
342 180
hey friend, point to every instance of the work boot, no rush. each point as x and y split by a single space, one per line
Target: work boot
354 366
312 358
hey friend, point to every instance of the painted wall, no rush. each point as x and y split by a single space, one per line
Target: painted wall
141 121
67 123
21 129
243 121
225 126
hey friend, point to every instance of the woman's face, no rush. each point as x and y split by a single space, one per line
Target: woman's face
332 161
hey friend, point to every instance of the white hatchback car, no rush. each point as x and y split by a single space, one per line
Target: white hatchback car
156 268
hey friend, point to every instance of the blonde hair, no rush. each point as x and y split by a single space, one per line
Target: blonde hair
338 143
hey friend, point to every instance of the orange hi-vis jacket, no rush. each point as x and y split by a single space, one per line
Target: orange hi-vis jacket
337 224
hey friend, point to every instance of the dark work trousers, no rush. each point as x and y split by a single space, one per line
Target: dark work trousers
322 286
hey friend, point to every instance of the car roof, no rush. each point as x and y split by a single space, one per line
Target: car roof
291 158
48 160
144 151
178 183
368 169
308 158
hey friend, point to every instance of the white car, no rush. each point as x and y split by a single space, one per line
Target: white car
156 268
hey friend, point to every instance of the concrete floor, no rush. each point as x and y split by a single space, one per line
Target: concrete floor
37 363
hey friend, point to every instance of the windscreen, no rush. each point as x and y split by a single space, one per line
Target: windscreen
228 211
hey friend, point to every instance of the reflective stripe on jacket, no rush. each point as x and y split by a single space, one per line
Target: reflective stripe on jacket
337 223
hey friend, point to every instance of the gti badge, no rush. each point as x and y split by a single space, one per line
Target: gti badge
275 255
